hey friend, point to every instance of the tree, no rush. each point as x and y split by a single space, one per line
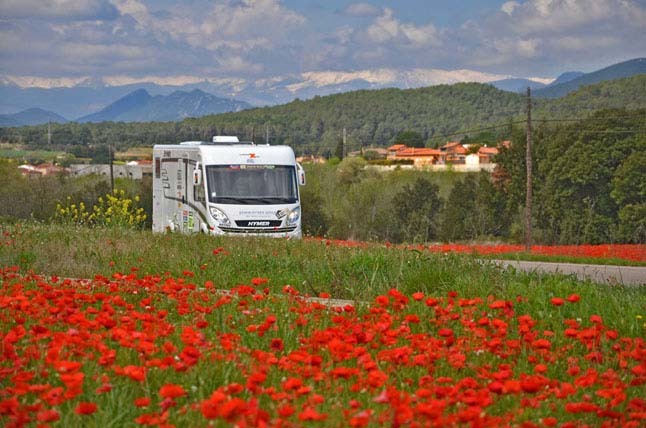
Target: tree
417 209
350 169
459 211
629 192
473 209
339 151
370 154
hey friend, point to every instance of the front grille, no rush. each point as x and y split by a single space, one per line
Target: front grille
258 223
258 230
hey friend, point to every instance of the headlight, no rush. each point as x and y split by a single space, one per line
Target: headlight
220 217
294 216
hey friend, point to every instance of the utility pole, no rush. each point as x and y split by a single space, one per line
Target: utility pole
111 169
344 143
528 195
49 132
267 134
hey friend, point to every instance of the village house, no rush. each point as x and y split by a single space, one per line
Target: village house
453 154
310 159
42 169
134 170
420 156
392 150
486 154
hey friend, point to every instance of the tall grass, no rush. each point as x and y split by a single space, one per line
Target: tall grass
310 266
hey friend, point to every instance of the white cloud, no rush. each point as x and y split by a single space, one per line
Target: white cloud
57 9
135 8
509 7
574 43
258 39
250 20
527 48
542 16
541 34
387 29
362 9
237 64
102 52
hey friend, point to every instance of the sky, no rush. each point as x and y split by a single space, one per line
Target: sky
177 42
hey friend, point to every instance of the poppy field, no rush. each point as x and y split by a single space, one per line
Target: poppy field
192 331
622 254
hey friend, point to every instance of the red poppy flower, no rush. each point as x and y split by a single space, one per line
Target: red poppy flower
171 390
135 373
276 344
259 281
286 410
85 408
142 402
48 415
557 301
309 414
418 296
573 298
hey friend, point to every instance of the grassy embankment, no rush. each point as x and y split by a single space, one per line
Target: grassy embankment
356 272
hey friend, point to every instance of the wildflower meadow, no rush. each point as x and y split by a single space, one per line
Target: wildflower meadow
115 327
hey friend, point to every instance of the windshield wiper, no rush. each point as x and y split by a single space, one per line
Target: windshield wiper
228 199
254 200
276 200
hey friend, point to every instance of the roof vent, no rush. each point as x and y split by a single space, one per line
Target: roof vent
226 139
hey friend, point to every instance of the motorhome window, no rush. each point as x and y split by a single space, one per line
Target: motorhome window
252 184
198 193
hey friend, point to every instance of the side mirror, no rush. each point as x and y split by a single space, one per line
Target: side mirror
301 175
197 175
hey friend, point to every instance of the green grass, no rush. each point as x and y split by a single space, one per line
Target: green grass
30 154
528 257
310 266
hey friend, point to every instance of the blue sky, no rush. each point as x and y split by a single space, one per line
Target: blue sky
256 40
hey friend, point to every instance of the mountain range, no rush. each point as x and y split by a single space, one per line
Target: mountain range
616 71
140 106
32 116
94 101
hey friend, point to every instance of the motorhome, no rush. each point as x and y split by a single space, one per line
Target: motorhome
226 187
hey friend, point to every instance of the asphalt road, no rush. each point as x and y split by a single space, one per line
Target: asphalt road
603 274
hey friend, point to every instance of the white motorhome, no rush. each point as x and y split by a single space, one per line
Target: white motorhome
227 187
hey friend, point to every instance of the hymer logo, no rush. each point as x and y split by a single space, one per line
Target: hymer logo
258 223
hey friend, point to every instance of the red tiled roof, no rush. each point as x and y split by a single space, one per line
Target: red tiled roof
412 151
488 151
396 147
454 147
450 145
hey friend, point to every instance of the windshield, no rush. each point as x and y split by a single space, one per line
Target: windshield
251 184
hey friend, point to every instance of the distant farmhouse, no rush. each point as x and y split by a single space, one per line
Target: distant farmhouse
42 169
135 170
453 155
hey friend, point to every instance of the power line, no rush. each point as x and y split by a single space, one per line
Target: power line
477 130
516 122
590 118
